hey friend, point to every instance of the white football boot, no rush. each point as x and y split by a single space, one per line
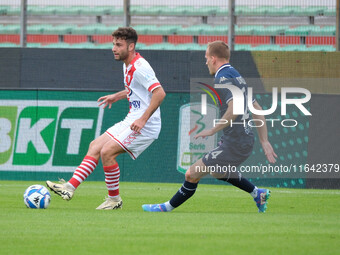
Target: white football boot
62 189
111 204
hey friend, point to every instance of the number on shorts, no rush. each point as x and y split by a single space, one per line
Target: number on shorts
214 154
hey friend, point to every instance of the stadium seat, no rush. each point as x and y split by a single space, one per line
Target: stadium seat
60 29
94 29
146 10
161 46
222 11
280 11
202 11
251 11
270 30
33 45
41 10
267 47
194 30
104 46
38 29
106 30
309 11
301 30
190 46
329 12
172 11
321 48
68 10
116 11
95 10
3 10
57 45
246 47
325 31
13 10
85 45
8 45
9 29
296 47
246 30
163 30
143 29
139 46
215 30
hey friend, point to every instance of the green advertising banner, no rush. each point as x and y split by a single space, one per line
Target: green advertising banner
45 135
37 135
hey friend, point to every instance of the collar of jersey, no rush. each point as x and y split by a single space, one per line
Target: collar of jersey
223 66
134 60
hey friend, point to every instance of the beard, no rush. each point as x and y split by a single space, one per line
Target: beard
122 56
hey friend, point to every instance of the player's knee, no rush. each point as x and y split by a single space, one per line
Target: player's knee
190 178
106 152
94 149
110 150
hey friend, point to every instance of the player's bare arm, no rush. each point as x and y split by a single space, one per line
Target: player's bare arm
108 100
263 135
228 116
158 95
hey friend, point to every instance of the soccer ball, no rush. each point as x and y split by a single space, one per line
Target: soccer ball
37 197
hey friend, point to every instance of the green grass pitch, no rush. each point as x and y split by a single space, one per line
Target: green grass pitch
217 220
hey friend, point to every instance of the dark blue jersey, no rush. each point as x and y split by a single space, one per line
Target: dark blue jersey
240 132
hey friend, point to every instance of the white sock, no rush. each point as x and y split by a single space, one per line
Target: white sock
254 192
168 206
115 198
70 186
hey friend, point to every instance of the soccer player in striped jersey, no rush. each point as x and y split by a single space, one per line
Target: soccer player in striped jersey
236 142
132 135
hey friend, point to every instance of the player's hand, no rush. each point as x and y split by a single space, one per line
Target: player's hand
107 100
204 133
137 125
269 152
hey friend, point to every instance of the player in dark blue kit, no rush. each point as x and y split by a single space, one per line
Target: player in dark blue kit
236 143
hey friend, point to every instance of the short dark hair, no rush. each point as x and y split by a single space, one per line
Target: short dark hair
219 49
126 33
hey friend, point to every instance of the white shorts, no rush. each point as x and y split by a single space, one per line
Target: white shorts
133 143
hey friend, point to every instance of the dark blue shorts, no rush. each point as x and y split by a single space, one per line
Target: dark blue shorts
228 154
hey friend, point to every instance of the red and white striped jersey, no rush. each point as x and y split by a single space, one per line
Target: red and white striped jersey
140 80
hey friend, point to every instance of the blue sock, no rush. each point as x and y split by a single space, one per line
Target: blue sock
184 193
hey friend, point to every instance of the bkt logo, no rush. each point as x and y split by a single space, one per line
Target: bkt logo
46 135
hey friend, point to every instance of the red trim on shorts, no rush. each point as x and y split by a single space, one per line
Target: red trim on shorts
121 145
153 86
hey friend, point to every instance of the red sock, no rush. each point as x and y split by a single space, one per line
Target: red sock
83 171
112 174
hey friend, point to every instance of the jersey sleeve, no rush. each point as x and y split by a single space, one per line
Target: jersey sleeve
227 95
146 77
